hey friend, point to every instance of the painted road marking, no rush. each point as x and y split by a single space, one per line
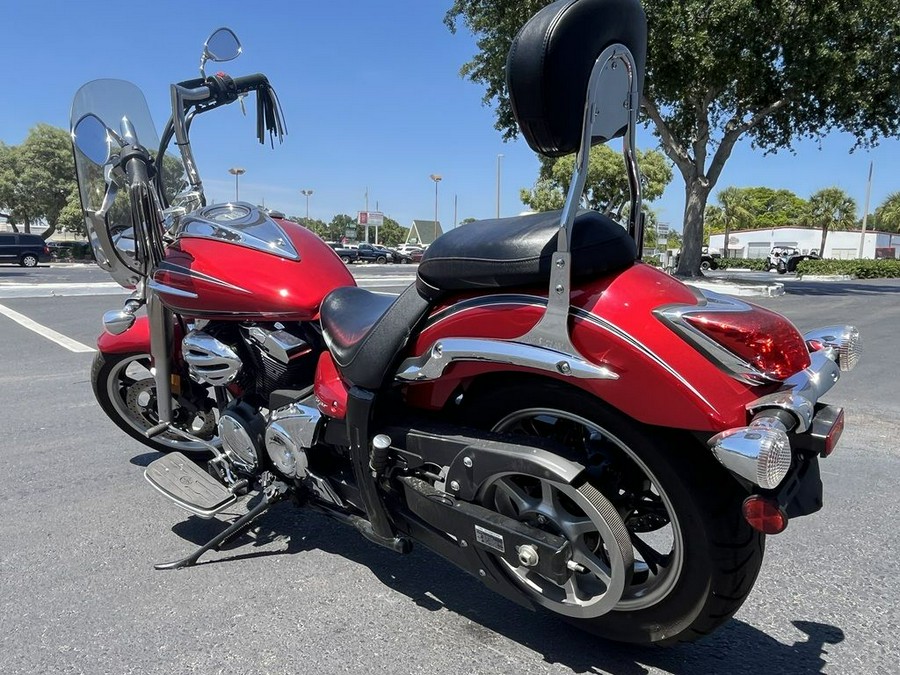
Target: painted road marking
49 333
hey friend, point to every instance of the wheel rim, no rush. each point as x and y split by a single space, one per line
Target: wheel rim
132 391
649 517
30 261
599 547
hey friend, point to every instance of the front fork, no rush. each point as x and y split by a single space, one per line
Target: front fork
161 320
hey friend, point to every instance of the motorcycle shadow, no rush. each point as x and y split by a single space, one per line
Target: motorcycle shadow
735 649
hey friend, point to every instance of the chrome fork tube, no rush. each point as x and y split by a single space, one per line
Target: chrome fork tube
161 337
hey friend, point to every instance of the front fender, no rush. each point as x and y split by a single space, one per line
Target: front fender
135 339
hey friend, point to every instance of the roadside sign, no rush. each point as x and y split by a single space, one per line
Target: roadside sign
374 218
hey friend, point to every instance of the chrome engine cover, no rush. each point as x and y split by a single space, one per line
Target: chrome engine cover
209 360
291 431
241 429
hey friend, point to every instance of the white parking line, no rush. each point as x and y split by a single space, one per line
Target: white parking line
49 333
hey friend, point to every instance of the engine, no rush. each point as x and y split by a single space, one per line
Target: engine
258 360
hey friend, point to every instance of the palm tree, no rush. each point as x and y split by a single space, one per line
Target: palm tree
888 214
830 209
734 210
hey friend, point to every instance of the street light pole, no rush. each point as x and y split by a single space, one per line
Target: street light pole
437 179
237 172
306 193
499 161
862 234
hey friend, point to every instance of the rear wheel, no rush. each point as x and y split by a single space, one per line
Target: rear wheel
126 391
692 558
29 260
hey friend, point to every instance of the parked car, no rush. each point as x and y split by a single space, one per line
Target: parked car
375 253
70 250
26 249
409 254
710 259
345 253
788 261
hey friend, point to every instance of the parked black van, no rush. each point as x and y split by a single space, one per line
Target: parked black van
26 249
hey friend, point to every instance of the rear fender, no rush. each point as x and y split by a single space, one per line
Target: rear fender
640 366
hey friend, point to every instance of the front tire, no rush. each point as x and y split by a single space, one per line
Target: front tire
124 387
695 557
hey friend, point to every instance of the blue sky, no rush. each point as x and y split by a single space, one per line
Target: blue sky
371 94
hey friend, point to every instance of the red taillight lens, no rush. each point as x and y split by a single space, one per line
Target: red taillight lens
764 339
764 515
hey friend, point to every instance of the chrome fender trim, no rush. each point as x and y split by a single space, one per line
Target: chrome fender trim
802 390
432 364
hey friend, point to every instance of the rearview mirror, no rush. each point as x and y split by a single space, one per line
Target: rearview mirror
93 139
222 45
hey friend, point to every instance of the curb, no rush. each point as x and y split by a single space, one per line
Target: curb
826 277
772 290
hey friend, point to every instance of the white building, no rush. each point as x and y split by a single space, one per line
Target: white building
839 245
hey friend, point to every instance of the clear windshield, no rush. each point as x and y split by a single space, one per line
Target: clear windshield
122 108
112 101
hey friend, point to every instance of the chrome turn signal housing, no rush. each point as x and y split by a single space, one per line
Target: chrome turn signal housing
842 343
759 453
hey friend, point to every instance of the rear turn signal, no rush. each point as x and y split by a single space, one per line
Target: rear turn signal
764 515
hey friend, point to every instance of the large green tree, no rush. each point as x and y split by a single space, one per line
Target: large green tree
391 233
887 215
722 70
606 186
830 209
37 177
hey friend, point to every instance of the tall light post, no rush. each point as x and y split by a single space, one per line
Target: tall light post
237 172
306 193
499 162
437 179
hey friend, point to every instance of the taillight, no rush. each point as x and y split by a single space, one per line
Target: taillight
46 249
764 515
766 340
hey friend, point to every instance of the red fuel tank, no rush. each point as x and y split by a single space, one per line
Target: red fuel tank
234 262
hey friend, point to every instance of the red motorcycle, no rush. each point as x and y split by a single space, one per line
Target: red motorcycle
574 428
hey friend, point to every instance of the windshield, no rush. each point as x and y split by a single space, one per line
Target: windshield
122 109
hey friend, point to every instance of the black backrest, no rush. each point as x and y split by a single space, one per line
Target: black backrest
550 63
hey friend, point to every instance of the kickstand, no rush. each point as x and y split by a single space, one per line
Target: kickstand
271 496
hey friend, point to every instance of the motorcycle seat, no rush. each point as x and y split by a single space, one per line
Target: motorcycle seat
365 331
507 252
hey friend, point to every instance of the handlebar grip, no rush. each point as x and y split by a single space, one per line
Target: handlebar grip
249 83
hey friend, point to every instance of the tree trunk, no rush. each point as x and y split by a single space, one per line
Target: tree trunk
46 234
822 247
696 195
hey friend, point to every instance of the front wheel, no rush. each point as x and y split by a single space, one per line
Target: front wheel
126 391
692 558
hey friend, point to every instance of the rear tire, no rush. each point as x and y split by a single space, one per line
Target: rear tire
714 557
28 260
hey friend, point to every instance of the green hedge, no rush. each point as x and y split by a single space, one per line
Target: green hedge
756 264
861 269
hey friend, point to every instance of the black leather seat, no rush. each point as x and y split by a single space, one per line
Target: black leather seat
518 251
365 331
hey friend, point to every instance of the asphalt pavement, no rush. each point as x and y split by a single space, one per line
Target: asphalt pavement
301 594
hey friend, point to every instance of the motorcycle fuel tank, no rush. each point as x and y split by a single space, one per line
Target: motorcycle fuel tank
232 261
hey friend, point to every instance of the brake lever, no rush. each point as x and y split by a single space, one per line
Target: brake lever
241 101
